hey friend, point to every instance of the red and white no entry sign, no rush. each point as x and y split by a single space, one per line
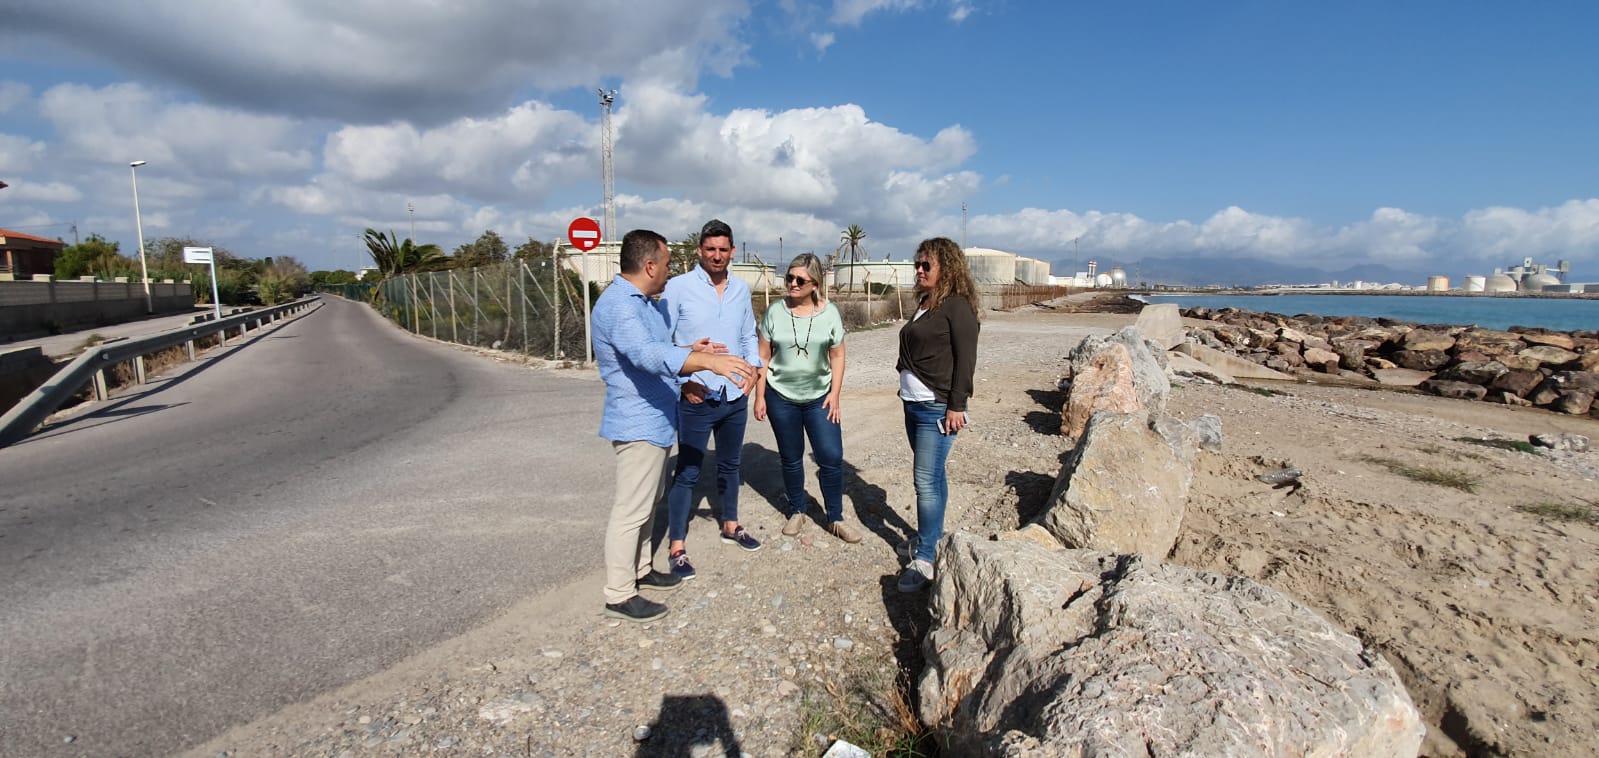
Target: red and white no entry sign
584 233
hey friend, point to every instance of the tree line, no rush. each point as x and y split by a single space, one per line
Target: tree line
240 280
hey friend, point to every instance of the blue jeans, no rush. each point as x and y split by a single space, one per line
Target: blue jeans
791 423
696 423
929 452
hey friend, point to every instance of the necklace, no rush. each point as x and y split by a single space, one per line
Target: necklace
810 323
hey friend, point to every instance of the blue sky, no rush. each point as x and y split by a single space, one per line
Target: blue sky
1449 137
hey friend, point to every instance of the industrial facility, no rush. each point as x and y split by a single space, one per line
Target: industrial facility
1527 277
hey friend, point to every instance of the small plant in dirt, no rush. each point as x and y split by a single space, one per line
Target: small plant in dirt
1561 512
1464 481
1520 446
88 342
869 708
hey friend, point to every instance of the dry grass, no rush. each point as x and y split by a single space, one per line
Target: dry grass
1561 512
1464 481
1520 446
870 708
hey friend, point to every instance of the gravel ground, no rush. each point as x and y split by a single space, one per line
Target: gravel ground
1487 611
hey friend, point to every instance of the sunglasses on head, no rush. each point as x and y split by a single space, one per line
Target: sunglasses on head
924 265
798 281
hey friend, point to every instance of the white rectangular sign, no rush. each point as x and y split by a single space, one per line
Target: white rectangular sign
197 255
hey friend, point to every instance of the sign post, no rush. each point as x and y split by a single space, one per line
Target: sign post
584 234
204 255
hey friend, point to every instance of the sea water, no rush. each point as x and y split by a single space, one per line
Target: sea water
1560 314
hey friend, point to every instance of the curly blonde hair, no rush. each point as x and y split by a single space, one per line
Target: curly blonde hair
954 278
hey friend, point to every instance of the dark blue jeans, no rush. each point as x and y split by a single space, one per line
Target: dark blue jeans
791 423
696 424
929 452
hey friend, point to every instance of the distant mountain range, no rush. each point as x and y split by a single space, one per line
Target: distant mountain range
1199 271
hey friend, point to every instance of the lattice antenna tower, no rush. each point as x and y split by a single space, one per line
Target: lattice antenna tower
606 158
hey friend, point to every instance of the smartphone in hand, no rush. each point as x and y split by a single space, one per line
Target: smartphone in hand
943 425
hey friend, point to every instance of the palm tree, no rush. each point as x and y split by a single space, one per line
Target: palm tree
394 257
852 239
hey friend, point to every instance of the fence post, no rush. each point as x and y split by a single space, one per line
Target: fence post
521 281
477 307
455 333
866 281
433 306
555 288
416 315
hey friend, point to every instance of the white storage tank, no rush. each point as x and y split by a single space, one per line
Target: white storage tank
1476 283
1437 284
991 268
1118 278
1032 271
1102 281
1536 282
1499 283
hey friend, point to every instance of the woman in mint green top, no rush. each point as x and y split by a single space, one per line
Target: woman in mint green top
802 344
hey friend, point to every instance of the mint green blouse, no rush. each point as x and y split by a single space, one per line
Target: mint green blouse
799 369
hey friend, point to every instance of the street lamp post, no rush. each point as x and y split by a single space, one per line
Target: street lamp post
144 272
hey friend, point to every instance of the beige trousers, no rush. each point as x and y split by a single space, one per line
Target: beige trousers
640 480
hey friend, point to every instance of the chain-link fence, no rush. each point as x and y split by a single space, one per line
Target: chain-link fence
522 305
526 306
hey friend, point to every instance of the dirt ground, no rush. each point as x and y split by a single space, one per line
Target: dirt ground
1487 611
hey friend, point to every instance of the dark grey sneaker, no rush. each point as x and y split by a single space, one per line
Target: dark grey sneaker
915 576
742 539
636 608
659 580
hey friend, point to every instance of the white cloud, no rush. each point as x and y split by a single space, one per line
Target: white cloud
822 41
122 122
519 153
850 12
827 161
18 154
47 192
1506 235
13 94
375 62
960 11
1391 236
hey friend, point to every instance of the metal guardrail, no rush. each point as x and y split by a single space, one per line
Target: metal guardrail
91 366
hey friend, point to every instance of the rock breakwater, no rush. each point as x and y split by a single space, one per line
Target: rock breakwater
1525 366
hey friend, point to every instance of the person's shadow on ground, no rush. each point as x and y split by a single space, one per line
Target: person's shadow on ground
687 722
763 471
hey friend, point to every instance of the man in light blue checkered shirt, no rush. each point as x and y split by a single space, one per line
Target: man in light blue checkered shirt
640 365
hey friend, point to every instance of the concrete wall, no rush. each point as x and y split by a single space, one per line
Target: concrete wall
47 307
22 370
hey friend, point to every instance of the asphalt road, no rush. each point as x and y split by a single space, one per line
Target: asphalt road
284 517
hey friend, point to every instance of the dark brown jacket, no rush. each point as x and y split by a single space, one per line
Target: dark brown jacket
940 348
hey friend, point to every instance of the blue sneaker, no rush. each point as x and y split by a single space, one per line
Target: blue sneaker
681 568
742 539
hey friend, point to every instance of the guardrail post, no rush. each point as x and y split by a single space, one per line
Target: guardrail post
138 369
188 347
100 390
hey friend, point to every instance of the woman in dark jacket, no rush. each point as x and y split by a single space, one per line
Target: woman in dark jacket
937 357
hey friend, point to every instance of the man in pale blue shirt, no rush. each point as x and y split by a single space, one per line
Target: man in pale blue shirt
707 303
640 365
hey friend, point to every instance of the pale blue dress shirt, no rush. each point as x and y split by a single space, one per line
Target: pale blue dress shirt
694 312
634 351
